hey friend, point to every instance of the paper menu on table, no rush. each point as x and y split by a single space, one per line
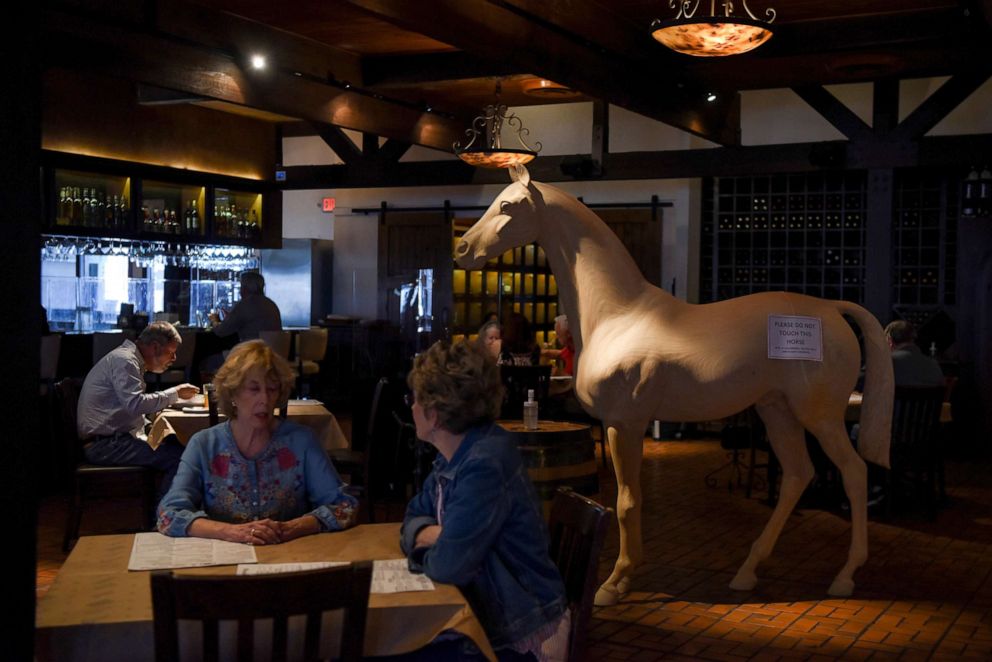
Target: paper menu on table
390 576
153 551
279 568
393 576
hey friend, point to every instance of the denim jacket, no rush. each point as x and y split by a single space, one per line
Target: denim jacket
493 543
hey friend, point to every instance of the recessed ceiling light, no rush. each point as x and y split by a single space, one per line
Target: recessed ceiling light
257 62
711 96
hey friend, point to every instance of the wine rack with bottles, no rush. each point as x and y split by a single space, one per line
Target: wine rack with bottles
519 280
924 239
90 196
799 233
88 200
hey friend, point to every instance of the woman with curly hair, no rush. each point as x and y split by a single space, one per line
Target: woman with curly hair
477 522
254 479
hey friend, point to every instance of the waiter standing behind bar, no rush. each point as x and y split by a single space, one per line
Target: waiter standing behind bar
112 405
254 313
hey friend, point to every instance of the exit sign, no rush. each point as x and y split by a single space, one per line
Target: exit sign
328 204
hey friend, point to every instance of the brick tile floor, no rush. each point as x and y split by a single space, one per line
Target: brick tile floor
925 592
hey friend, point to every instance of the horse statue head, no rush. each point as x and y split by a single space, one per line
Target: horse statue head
510 221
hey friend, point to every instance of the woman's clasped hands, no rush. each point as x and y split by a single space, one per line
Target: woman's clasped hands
259 532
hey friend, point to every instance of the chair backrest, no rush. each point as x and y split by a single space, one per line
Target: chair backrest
50 347
184 354
67 398
278 341
577 527
311 345
212 412
244 598
916 416
104 343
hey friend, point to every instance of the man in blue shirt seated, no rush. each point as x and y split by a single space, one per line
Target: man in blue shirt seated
110 418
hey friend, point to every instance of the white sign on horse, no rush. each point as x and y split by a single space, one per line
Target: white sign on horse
795 337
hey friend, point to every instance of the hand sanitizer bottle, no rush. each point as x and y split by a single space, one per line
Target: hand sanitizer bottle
530 411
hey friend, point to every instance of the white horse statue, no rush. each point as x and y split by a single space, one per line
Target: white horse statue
642 354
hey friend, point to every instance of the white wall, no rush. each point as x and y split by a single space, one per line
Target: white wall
767 117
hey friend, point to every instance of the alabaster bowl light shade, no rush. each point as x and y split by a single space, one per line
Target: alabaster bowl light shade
712 37
496 158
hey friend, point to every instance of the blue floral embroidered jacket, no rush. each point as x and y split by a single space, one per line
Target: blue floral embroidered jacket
291 477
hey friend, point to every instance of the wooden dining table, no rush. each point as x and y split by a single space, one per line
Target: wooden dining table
97 610
309 413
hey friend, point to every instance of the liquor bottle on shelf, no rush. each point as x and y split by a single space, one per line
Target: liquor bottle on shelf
173 223
122 212
969 197
984 206
76 217
158 225
253 229
65 206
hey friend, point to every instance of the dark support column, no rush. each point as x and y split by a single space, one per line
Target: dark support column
974 323
600 132
20 219
878 245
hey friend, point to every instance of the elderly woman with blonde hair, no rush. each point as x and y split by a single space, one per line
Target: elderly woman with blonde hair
254 479
477 522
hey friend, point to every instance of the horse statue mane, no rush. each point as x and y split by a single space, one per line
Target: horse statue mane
643 354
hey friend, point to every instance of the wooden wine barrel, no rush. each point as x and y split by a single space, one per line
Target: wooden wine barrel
557 454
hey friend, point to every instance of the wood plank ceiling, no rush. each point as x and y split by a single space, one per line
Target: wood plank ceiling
378 65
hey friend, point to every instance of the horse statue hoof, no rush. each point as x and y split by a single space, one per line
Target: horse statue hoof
744 582
606 595
841 588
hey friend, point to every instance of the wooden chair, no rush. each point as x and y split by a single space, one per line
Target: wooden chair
355 463
51 346
88 476
104 343
213 413
311 347
279 341
577 527
247 598
915 449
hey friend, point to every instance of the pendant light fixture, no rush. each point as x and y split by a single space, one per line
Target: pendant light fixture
485 146
722 31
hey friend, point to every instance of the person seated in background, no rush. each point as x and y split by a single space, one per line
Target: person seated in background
911 367
477 523
110 419
565 355
255 479
254 313
490 339
519 345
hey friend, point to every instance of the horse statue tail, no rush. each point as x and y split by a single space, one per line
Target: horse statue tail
879 388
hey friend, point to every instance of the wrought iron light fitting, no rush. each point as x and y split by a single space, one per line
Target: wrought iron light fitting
485 142
723 31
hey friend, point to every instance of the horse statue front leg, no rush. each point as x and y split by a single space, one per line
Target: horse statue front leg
626 448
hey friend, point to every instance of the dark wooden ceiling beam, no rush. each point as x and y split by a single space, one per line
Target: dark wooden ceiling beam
396 71
935 151
340 143
132 53
830 107
492 31
935 108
